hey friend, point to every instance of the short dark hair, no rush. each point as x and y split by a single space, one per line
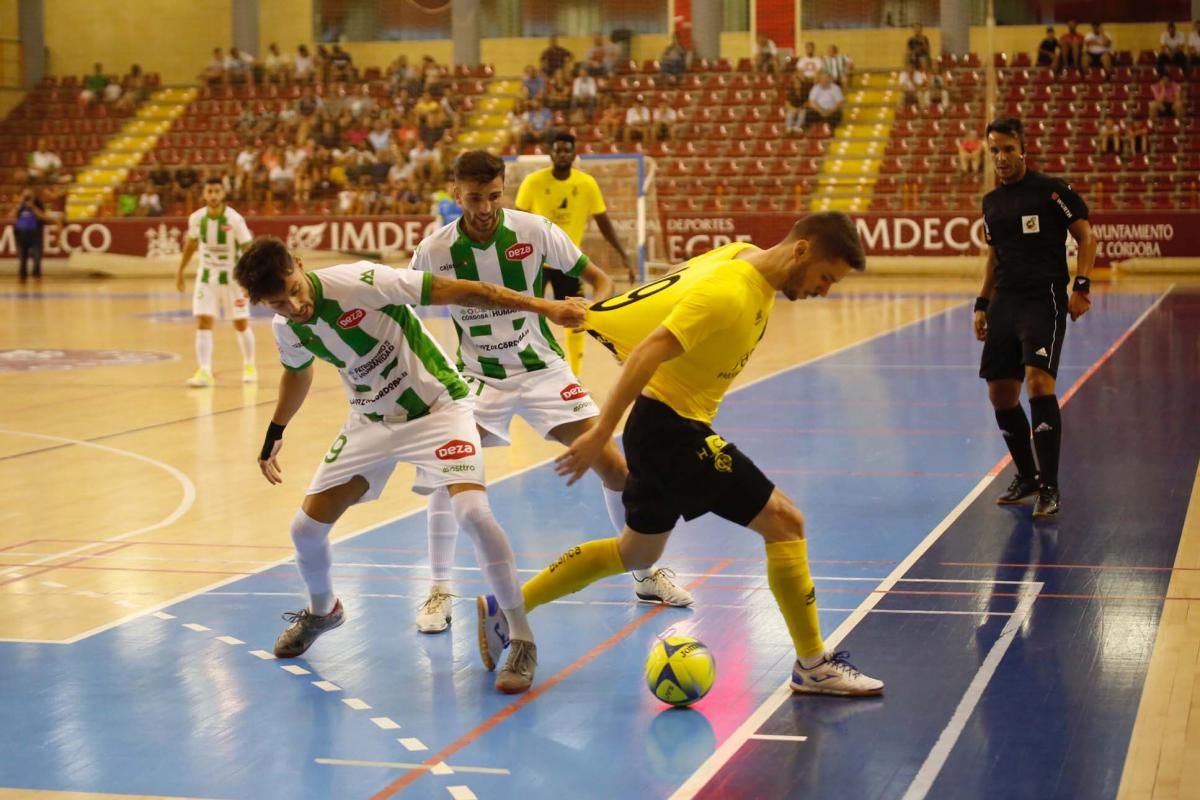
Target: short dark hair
564 136
834 235
263 268
1009 126
478 166
215 179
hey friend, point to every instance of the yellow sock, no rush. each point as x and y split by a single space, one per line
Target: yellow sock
578 567
574 343
792 585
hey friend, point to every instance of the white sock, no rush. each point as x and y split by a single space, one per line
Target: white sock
314 561
616 513
443 537
246 342
204 348
495 557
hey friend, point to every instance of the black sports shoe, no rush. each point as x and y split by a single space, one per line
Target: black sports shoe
304 630
1018 490
1047 502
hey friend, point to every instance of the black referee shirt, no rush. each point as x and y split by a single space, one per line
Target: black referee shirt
1026 225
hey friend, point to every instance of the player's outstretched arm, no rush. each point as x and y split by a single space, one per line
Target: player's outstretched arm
1080 300
188 249
660 346
985 296
602 285
293 388
476 294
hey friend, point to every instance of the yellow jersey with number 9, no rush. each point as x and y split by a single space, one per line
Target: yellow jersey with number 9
716 306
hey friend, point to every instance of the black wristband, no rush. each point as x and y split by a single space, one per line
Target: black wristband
981 303
1082 285
274 434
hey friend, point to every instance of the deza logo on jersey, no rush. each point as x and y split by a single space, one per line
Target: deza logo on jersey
573 392
519 251
351 318
455 449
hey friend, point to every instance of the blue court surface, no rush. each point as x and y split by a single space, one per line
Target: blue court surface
1014 653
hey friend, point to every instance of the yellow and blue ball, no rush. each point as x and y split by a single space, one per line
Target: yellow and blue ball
680 670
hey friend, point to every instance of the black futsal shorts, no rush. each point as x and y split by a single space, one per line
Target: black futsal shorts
1025 329
679 467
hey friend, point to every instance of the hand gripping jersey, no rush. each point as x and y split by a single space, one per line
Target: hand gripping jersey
498 343
716 305
363 323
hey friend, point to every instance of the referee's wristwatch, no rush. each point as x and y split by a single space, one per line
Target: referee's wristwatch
1082 285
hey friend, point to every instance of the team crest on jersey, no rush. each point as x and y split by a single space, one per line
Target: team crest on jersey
351 318
455 449
572 391
1030 224
519 251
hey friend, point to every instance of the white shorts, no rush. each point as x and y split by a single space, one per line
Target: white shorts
443 445
545 399
214 298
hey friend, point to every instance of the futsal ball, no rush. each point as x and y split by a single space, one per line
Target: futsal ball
680 670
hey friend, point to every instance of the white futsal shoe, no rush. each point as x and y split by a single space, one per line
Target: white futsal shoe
834 675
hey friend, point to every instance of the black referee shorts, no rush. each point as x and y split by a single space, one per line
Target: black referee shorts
1025 329
681 467
564 286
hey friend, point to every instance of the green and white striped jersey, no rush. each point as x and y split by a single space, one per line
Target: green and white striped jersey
363 323
497 343
221 239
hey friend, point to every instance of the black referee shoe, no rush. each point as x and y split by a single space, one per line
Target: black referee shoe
1047 502
1020 488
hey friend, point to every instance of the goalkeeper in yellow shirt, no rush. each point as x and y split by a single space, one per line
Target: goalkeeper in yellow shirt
567 197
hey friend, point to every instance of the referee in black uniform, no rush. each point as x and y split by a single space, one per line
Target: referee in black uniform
1021 312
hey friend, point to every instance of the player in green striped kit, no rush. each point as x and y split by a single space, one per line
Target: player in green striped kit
219 233
511 359
408 404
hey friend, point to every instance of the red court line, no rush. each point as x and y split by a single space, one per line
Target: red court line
18 544
470 736
52 567
1099 567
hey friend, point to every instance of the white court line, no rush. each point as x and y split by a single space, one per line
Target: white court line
412 744
350 762
775 737
386 723
356 703
229 640
441 768
730 746
295 669
461 793
189 495
196 626
936 759
327 686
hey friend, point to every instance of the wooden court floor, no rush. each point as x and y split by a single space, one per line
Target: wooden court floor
94 459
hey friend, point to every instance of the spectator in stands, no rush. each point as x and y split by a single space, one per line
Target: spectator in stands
283 180
534 83
304 68
637 120
161 179
940 85
915 85
243 169
214 72
515 120
239 66
796 100
370 199
308 103
187 184
1111 134
341 66
94 86
970 153
134 89
1072 46
1098 46
361 103
665 121
347 200
1049 52
1137 136
601 57
807 67
825 102
404 76
583 91
674 59
1172 49
43 164
355 134
558 92
380 137
766 54
149 204
611 119
554 57
328 135
918 49
404 199
839 66
431 74
1167 98
537 123
432 119
276 66
1193 44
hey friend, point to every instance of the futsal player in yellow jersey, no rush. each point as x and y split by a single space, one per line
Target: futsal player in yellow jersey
683 340
568 197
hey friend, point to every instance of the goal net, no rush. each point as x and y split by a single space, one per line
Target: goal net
627 183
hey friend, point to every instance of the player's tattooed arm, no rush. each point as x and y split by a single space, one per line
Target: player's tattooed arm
477 294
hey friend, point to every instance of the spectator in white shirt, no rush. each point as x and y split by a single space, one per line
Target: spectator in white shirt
839 66
244 168
583 91
1098 47
276 65
601 56
807 67
1172 49
915 85
303 67
239 65
765 54
149 203
380 136
665 120
44 164
825 102
637 120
